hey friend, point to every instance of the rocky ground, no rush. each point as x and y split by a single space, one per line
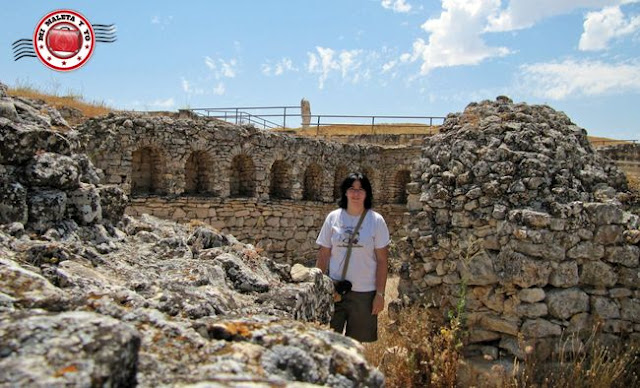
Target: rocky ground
90 297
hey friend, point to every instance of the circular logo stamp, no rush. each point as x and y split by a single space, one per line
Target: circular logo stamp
64 40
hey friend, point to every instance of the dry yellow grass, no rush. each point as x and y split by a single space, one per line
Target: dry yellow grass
88 109
604 141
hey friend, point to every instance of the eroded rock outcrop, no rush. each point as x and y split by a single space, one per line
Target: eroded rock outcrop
513 203
90 297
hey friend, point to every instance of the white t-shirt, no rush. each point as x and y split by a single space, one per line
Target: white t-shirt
373 234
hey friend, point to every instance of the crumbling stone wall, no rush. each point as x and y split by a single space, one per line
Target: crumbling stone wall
512 203
268 189
286 230
626 156
378 139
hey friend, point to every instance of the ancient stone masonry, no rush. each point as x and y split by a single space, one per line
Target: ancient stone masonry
92 297
409 142
511 202
626 156
268 189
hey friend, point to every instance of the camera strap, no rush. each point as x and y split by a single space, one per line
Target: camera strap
350 245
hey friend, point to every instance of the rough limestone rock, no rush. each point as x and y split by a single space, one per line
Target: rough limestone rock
512 202
90 297
76 348
13 202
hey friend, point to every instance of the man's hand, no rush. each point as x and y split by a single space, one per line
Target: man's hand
378 304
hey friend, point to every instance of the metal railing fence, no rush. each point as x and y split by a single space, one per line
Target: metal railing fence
263 116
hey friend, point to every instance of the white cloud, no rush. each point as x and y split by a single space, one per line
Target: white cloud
456 36
161 20
219 89
221 68
559 80
185 85
396 5
347 63
388 66
600 27
168 103
283 65
521 14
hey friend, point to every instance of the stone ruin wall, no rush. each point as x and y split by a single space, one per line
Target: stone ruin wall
511 203
267 189
402 140
516 189
625 156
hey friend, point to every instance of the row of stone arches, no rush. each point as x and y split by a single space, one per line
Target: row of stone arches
200 178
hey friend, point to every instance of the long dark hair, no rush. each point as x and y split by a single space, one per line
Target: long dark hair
366 185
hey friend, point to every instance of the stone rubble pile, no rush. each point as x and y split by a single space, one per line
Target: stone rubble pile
90 297
511 202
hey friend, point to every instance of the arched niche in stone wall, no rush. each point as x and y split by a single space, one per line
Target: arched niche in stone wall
399 186
341 173
242 182
375 186
280 180
147 170
199 175
312 190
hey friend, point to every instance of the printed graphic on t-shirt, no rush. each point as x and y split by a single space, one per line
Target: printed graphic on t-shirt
346 235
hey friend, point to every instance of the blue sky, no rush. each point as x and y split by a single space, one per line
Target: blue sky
359 57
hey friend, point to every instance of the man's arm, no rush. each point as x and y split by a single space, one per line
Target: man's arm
382 257
322 262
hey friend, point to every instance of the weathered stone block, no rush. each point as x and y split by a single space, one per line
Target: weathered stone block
28 288
599 274
494 323
480 335
531 295
627 255
586 250
532 310
52 170
581 323
629 277
83 204
608 234
565 275
539 328
113 202
603 213
46 207
620 293
630 309
13 203
525 272
479 271
72 349
565 303
604 307
489 297
617 326
535 219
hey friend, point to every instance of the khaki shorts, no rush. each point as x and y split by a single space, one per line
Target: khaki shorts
354 312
